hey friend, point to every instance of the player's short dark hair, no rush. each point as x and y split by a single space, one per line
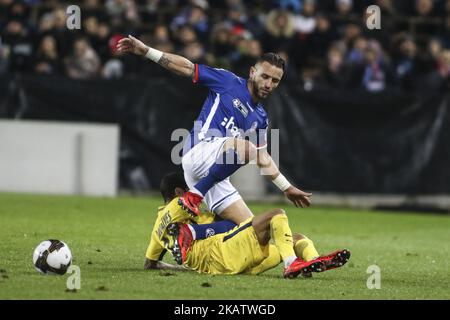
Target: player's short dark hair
171 181
274 59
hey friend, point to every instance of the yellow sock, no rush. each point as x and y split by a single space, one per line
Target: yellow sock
304 248
282 236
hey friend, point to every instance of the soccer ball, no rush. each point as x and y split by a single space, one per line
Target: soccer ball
52 257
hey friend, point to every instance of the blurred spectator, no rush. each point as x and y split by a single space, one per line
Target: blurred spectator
194 15
387 8
335 74
374 71
425 9
357 53
83 63
185 35
255 22
404 58
280 30
90 28
94 8
291 5
160 34
345 14
221 47
325 42
46 23
323 35
18 46
4 5
351 32
435 48
305 22
248 52
103 35
64 38
122 9
3 58
235 15
19 11
444 64
344 7
194 51
47 57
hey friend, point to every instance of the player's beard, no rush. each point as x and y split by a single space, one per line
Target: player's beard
256 91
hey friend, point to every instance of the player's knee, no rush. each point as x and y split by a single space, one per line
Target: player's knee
297 236
246 150
279 211
276 212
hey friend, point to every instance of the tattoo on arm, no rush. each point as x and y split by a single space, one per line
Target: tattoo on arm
177 65
164 61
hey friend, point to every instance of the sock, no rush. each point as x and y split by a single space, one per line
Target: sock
305 249
224 167
282 236
203 231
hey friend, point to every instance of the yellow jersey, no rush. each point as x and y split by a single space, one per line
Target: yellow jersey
236 251
172 212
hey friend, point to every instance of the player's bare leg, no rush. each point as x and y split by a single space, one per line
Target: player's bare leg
234 154
237 212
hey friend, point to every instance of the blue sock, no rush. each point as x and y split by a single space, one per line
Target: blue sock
224 167
203 231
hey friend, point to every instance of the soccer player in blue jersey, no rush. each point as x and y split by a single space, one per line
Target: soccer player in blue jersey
230 132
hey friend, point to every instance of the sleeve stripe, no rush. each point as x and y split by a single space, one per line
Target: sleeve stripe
195 80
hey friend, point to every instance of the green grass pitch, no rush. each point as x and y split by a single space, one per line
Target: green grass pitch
108 239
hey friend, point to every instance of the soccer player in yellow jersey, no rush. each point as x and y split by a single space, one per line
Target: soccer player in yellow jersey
172 186
244 249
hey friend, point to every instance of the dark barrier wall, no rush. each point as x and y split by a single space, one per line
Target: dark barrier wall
352 142
357 142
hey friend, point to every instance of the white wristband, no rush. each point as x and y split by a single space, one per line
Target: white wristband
153 54
281 182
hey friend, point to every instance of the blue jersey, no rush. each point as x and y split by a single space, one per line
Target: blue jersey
228 111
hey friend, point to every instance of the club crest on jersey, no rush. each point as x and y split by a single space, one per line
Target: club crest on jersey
240 106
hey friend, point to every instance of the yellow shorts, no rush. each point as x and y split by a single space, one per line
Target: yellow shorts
237 251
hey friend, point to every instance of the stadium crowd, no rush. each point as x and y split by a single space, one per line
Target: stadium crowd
325 42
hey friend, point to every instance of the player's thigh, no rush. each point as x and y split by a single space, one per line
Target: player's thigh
237 212
200 158
224 200
239 249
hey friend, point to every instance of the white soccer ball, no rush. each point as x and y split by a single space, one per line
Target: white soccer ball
52 257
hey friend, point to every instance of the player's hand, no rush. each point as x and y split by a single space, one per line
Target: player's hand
132 45
298 197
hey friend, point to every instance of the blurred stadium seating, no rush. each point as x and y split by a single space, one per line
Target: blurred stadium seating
385 92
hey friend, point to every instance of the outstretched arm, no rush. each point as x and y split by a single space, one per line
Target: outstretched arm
297 196
172 62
